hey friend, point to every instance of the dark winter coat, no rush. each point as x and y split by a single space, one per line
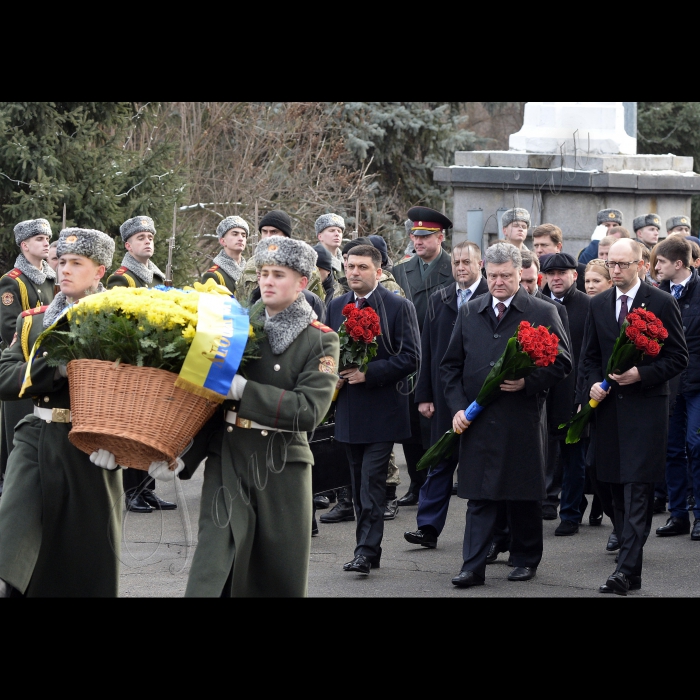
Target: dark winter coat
442 312
502 453
631 423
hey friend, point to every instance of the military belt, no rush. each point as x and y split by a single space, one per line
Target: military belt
53 415
232 418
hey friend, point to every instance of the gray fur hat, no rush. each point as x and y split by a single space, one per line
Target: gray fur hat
605 215
647 220
326 220
32 227
136 225
408 225
516 214
280 250
677 221
232 222
93 244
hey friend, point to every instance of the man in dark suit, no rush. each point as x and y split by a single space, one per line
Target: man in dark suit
427 271
560 271
631 422
443 306
383 387
502 452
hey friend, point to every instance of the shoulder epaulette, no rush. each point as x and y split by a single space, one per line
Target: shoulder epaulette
14 273
36 310
120 271
213 268
321 327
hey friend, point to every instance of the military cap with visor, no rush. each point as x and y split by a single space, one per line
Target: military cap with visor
427 221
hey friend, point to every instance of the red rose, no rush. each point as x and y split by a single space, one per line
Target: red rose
632 333
356 334
641 343
376 328
663 333
653 348
634 316
347 309
525 324
368 336
640 324
350 324
653 330
651 316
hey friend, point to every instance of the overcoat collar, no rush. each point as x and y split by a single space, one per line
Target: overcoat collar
520 301
443 267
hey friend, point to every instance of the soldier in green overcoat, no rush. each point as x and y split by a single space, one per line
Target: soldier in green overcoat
228 264
256 510
60 515
28 285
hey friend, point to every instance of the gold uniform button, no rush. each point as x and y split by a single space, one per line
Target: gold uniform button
276 368
46 399
229 429
263 433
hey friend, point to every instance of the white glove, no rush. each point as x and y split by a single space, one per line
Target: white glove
599 233
104 459
237 387
162 471
62 371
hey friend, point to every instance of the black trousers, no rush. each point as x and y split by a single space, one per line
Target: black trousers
554 474
368 465
524 524
415 447
135 480
633 505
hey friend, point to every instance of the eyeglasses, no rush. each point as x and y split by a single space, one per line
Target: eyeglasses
622 265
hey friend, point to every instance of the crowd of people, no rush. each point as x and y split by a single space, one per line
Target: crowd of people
445 320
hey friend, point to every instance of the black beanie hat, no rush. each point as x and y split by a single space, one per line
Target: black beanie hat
278 219
324 260
362 240
380 244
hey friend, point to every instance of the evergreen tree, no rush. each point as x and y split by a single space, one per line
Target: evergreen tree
96 157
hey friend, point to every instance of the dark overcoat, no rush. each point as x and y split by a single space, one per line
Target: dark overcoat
435 337
502 453
376 410
631 423
419 290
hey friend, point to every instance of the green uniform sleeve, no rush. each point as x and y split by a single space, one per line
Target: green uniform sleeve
9 290
117 281
303 408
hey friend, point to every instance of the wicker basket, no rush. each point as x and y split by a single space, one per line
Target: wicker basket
137 413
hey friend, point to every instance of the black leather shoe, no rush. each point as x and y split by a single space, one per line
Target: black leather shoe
155 502
522 573
617 583
595 520
635 582
549 513
613 544
342 510
391 508
659 505
321 502
425 539
674 526
465 579
695 534
566 527
494 551
137 504
410 499
359 564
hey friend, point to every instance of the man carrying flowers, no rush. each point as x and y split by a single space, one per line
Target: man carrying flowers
60 520
255 517
137 270
502 452
631 418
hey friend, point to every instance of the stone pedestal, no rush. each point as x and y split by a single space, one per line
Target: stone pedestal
566 190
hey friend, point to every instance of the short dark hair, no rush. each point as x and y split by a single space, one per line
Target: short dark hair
367 251
529 260
620 230
554 232
675 248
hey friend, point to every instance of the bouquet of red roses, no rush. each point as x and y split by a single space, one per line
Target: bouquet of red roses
530 347
358 336
640 335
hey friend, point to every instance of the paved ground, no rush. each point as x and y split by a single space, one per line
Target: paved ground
157 553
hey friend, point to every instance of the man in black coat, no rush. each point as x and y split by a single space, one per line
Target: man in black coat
674 267
427 271
502 452
443 306
383 388
631 422
560 271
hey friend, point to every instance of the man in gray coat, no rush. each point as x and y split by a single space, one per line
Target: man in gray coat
501 454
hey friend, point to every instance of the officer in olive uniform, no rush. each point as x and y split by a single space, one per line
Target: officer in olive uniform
277 223
28 285
137 270
255 516
427 271
228 269
60 524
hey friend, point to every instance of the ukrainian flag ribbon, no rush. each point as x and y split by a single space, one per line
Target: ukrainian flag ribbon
217 348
